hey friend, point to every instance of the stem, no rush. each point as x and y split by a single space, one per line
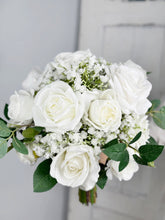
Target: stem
12 135
20 126
86 197
133 148
151 113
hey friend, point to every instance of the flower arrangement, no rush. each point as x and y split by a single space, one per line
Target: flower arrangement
88 119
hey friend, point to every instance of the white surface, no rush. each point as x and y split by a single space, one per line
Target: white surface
119 31
31 34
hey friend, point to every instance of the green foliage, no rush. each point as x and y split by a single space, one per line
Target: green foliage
42 181
3 147
152 141
159 118
124 161
6 112
30 133
19 146
155 104
90 79
4 130
115 152
139 160
149 153
10 148
136 138
113 142
102 177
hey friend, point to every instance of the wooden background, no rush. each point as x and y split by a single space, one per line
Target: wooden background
118 31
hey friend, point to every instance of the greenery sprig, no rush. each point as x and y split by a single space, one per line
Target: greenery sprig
117 151
157 115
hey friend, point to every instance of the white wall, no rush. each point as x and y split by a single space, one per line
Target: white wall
32 32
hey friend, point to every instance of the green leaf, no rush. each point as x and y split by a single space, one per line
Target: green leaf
3 147
28 140
6 112
10 148
136 138
19 146
102 178
155 104
149 73
124 161
38 129
150 153
4 130
31 132
115 152
152 141
139 160
159 118
42 181
113 142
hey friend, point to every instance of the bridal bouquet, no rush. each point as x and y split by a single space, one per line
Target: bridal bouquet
88 120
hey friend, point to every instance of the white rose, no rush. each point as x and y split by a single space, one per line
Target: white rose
104 112
57 107
32 82
76 166
30 158
72 59
20 107
132 87
125 174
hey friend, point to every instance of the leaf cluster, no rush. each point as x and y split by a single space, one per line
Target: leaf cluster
157 115
118 151
7 134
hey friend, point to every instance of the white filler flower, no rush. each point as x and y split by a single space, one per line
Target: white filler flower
57 107
20 107
132 87
32 81
104 113
76 166
30 158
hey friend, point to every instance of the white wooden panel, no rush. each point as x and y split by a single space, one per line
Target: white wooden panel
142 44
115 39
120 31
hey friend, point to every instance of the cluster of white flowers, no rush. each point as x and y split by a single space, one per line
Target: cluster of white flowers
83 103
131 125
81 70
